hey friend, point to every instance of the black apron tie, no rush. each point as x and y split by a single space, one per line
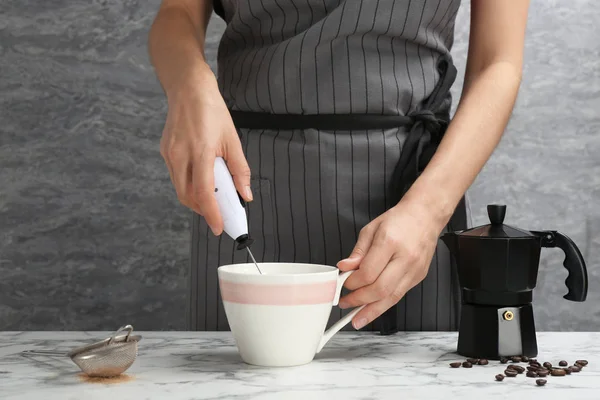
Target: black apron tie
427 118
427 127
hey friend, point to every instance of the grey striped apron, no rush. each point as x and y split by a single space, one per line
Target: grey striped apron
337 120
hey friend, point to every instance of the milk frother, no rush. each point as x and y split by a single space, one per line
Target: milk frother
231 206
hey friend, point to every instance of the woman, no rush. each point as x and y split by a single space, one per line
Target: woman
333 117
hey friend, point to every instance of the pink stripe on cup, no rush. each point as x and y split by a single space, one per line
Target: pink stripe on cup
278 295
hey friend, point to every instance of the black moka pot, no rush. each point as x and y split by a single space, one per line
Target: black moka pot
497 270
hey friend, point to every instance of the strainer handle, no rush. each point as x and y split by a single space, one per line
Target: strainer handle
44 353
127 328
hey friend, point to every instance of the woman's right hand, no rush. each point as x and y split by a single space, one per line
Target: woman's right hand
198 129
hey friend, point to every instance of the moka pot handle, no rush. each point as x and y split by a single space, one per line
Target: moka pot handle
577 279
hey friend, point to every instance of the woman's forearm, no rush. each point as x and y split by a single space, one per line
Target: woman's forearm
176 41
492 80
475 131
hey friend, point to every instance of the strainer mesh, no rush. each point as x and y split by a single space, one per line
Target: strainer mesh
109 360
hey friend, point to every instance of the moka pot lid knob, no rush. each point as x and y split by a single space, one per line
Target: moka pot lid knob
496 228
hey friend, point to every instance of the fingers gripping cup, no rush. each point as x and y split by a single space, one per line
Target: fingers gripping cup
279 318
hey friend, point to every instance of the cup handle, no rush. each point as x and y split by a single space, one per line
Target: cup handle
343 321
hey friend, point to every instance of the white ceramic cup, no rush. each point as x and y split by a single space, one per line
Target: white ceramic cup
278 319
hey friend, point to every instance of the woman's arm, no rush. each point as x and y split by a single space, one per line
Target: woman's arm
176 41
492 80
198 127
394 251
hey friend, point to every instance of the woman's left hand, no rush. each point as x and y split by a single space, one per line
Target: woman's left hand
392 255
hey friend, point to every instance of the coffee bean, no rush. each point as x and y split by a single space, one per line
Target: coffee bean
534 369
503 360
563 363
575 368
499 377
467 364
583 363
515 359
532 360
513 367
472 360
547 365
525 359
455 364
558 372
535 364
483 361
540 382
531 374
510 373
542 374
519 369
567 371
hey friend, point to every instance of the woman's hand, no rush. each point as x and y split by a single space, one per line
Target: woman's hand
199 129
392 255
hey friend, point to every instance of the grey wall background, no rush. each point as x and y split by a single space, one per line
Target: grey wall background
91 233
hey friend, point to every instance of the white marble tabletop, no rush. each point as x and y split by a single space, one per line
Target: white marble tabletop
205 365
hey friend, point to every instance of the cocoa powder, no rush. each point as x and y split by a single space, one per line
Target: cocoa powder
108 380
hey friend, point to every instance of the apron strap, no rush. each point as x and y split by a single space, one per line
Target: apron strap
219 9
430 123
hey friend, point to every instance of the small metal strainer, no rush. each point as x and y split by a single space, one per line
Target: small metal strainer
107 358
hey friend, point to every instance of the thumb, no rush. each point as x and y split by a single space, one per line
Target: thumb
238 166
365 238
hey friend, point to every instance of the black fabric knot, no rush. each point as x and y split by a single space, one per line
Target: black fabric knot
428 120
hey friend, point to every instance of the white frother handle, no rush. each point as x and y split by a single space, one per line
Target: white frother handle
232 211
